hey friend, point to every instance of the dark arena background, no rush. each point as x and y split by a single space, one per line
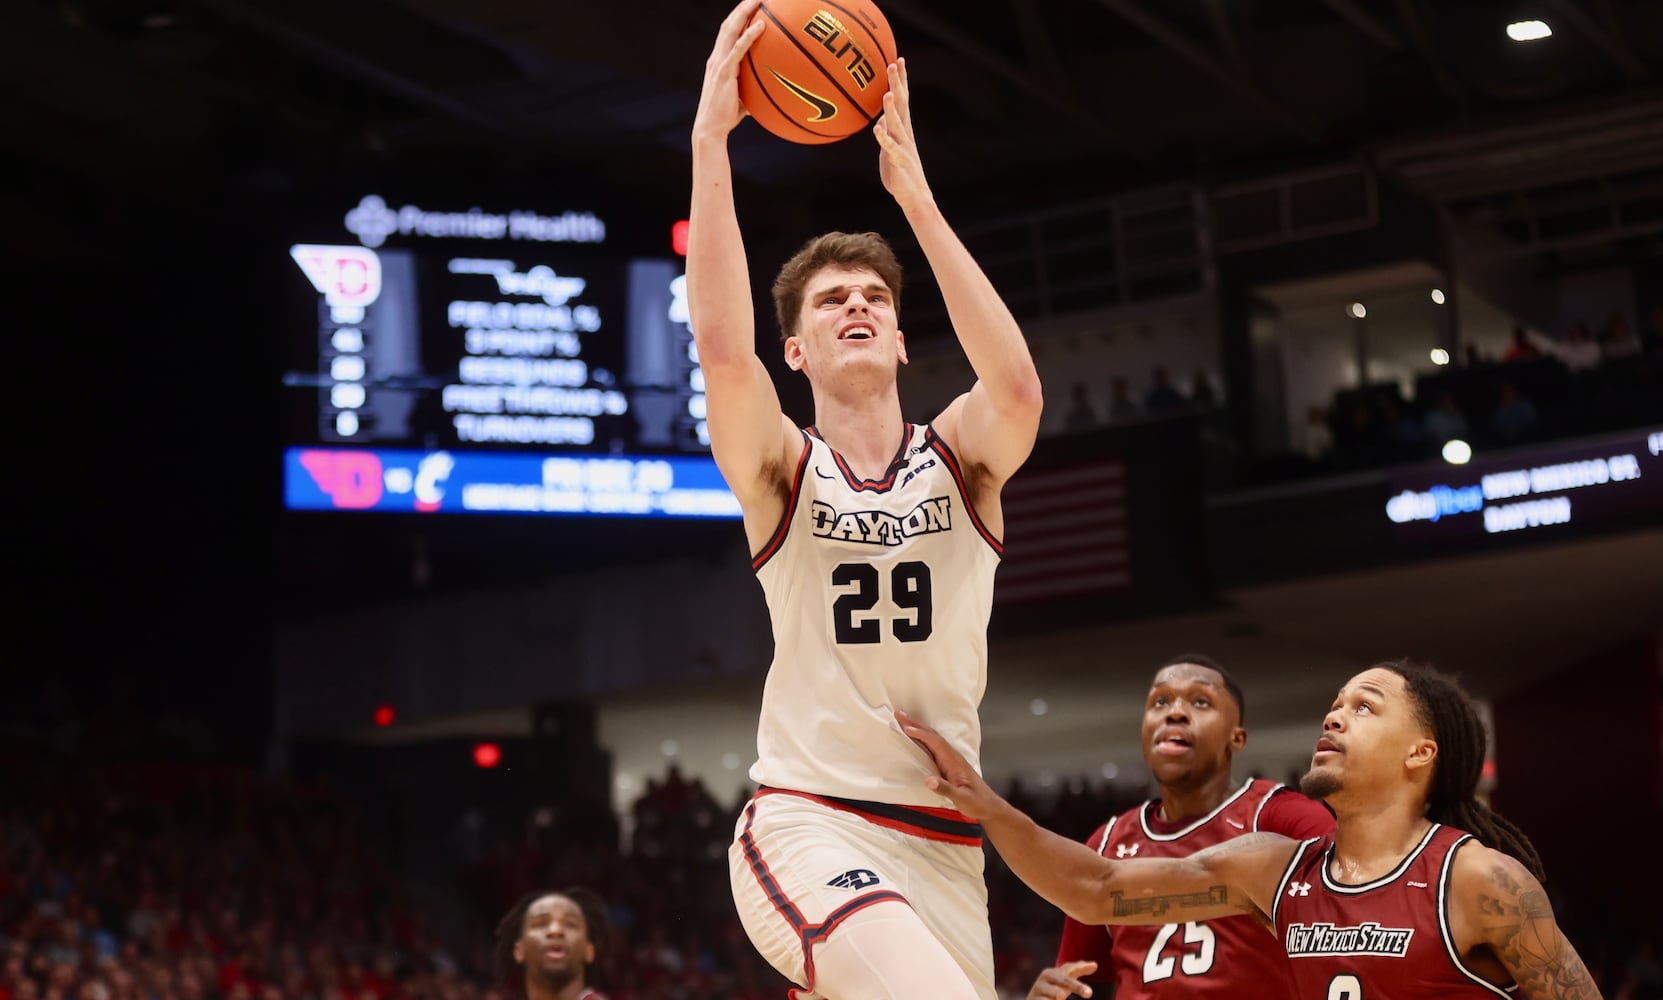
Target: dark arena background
371 568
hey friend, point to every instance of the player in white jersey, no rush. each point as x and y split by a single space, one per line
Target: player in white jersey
875 542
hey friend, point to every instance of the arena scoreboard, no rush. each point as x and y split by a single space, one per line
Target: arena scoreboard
480 361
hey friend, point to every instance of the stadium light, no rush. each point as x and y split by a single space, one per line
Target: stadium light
1440 356
1438 296
1457 452
1529 31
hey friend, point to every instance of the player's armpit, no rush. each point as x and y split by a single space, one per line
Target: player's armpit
1509 911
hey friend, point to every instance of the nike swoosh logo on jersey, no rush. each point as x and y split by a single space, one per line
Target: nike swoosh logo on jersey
824 110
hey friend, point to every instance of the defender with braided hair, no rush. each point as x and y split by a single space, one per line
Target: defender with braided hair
1420 893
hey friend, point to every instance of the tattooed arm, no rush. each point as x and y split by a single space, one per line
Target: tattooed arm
1237 876
1503 924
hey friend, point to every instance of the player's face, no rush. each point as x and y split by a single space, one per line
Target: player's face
1370 739
1191 726
554 940
848 324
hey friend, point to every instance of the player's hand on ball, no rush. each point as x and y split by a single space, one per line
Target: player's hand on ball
1062 981
898 165
954 777
719 107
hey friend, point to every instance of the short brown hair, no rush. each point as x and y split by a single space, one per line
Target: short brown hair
855 250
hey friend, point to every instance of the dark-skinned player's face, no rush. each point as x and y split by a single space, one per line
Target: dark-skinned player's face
1191 726
554 940
1371 738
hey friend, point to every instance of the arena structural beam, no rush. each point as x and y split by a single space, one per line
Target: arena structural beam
1192 52
1609 43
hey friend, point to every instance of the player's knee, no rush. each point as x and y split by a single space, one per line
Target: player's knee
886 951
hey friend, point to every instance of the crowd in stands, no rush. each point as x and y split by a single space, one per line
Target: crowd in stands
123 881
1540 388
1162 398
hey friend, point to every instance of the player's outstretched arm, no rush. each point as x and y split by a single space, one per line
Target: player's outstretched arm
1496 902
1238 876
993 426
747 428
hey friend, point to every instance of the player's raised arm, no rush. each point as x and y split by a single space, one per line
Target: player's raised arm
1496 902
1238 876
993 426
746 426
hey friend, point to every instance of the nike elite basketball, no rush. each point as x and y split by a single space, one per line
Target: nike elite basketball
817 73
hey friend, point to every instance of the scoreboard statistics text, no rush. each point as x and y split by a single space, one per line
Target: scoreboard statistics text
480 362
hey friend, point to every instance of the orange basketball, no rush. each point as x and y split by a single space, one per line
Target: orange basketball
818 71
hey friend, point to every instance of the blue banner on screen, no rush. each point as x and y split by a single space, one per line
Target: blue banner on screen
473 482
1532 491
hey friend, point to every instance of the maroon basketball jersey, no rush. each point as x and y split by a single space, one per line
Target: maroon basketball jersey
1384 940
1228 957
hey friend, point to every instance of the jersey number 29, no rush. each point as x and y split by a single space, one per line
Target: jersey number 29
909 589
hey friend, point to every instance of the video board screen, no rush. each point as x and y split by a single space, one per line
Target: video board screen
1532 492
489 354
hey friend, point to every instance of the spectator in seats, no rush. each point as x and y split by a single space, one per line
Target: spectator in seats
1403 433
1319 436
1617 340
1445 422
1578 352
1121 404
1515 415
1357 437
1521 349
1081 416
551 943
1202 396
1162 398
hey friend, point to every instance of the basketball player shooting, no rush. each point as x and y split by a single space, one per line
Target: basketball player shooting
1420 893
875 541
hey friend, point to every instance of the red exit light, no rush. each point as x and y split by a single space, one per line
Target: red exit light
678 237
384 715
487 755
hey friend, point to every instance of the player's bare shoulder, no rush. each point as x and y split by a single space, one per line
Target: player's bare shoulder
1497 905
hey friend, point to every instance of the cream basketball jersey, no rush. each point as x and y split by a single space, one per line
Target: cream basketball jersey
879 593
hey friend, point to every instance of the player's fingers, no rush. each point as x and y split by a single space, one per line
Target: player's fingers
742 44
1080 968
734 23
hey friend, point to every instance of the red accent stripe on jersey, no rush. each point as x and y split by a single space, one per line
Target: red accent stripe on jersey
953 467
813 935
947 826
765 877
775 542
874 485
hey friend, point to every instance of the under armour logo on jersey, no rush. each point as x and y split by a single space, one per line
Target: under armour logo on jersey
1299 888
1126 850
855 878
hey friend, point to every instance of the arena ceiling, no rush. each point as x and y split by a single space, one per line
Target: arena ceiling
1019 103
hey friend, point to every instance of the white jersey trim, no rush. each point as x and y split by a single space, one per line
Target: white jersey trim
1108 828
1143 816
1443 921
1386 879
1282 885
1264 802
